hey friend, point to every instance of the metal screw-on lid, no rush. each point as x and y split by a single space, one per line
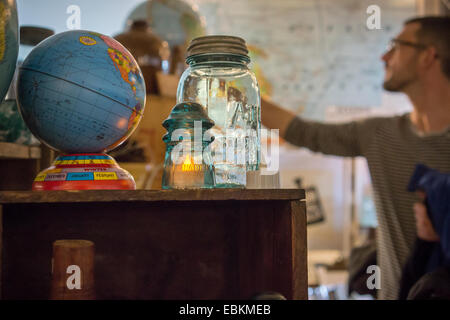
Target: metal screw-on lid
217 44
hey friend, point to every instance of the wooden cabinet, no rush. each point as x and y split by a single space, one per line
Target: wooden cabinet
153 244
19 165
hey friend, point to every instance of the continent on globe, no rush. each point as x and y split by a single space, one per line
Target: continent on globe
87 41
122 59
124 66
114 44
135 116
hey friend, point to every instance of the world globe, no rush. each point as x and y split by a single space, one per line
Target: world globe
81 92
174 21
9 44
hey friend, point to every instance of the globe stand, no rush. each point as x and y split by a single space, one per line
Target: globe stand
84 171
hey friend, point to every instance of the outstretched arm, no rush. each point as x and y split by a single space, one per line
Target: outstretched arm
347 139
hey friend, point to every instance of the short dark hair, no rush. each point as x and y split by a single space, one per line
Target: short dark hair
435 31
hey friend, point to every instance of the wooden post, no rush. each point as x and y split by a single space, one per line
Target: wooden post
72 270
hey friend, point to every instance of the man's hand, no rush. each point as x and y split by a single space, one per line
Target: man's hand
425 230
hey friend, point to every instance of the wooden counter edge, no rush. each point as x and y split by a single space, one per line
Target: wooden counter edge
16 197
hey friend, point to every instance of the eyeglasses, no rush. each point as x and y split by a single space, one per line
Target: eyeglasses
394 43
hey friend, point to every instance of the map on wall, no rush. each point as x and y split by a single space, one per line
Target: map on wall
310 54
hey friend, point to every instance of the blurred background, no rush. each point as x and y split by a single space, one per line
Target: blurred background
316 57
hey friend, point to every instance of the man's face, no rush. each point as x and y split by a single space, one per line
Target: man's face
401 68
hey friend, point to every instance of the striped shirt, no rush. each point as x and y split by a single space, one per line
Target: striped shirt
392 148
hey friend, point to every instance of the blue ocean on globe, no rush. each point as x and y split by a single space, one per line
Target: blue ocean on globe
81 92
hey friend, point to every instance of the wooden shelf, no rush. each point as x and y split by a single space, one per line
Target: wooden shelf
18 151
149 195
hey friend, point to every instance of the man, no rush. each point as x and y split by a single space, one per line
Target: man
417 64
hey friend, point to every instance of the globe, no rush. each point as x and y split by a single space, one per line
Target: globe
174 21
9 44
81 92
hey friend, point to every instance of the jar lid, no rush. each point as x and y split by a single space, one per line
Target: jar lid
217 44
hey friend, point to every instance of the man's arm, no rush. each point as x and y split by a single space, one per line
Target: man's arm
349 139
275 117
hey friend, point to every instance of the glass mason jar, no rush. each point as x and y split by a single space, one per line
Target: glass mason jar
218 78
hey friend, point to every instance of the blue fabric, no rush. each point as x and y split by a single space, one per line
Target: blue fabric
436 185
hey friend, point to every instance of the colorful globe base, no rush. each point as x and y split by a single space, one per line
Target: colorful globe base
84 171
